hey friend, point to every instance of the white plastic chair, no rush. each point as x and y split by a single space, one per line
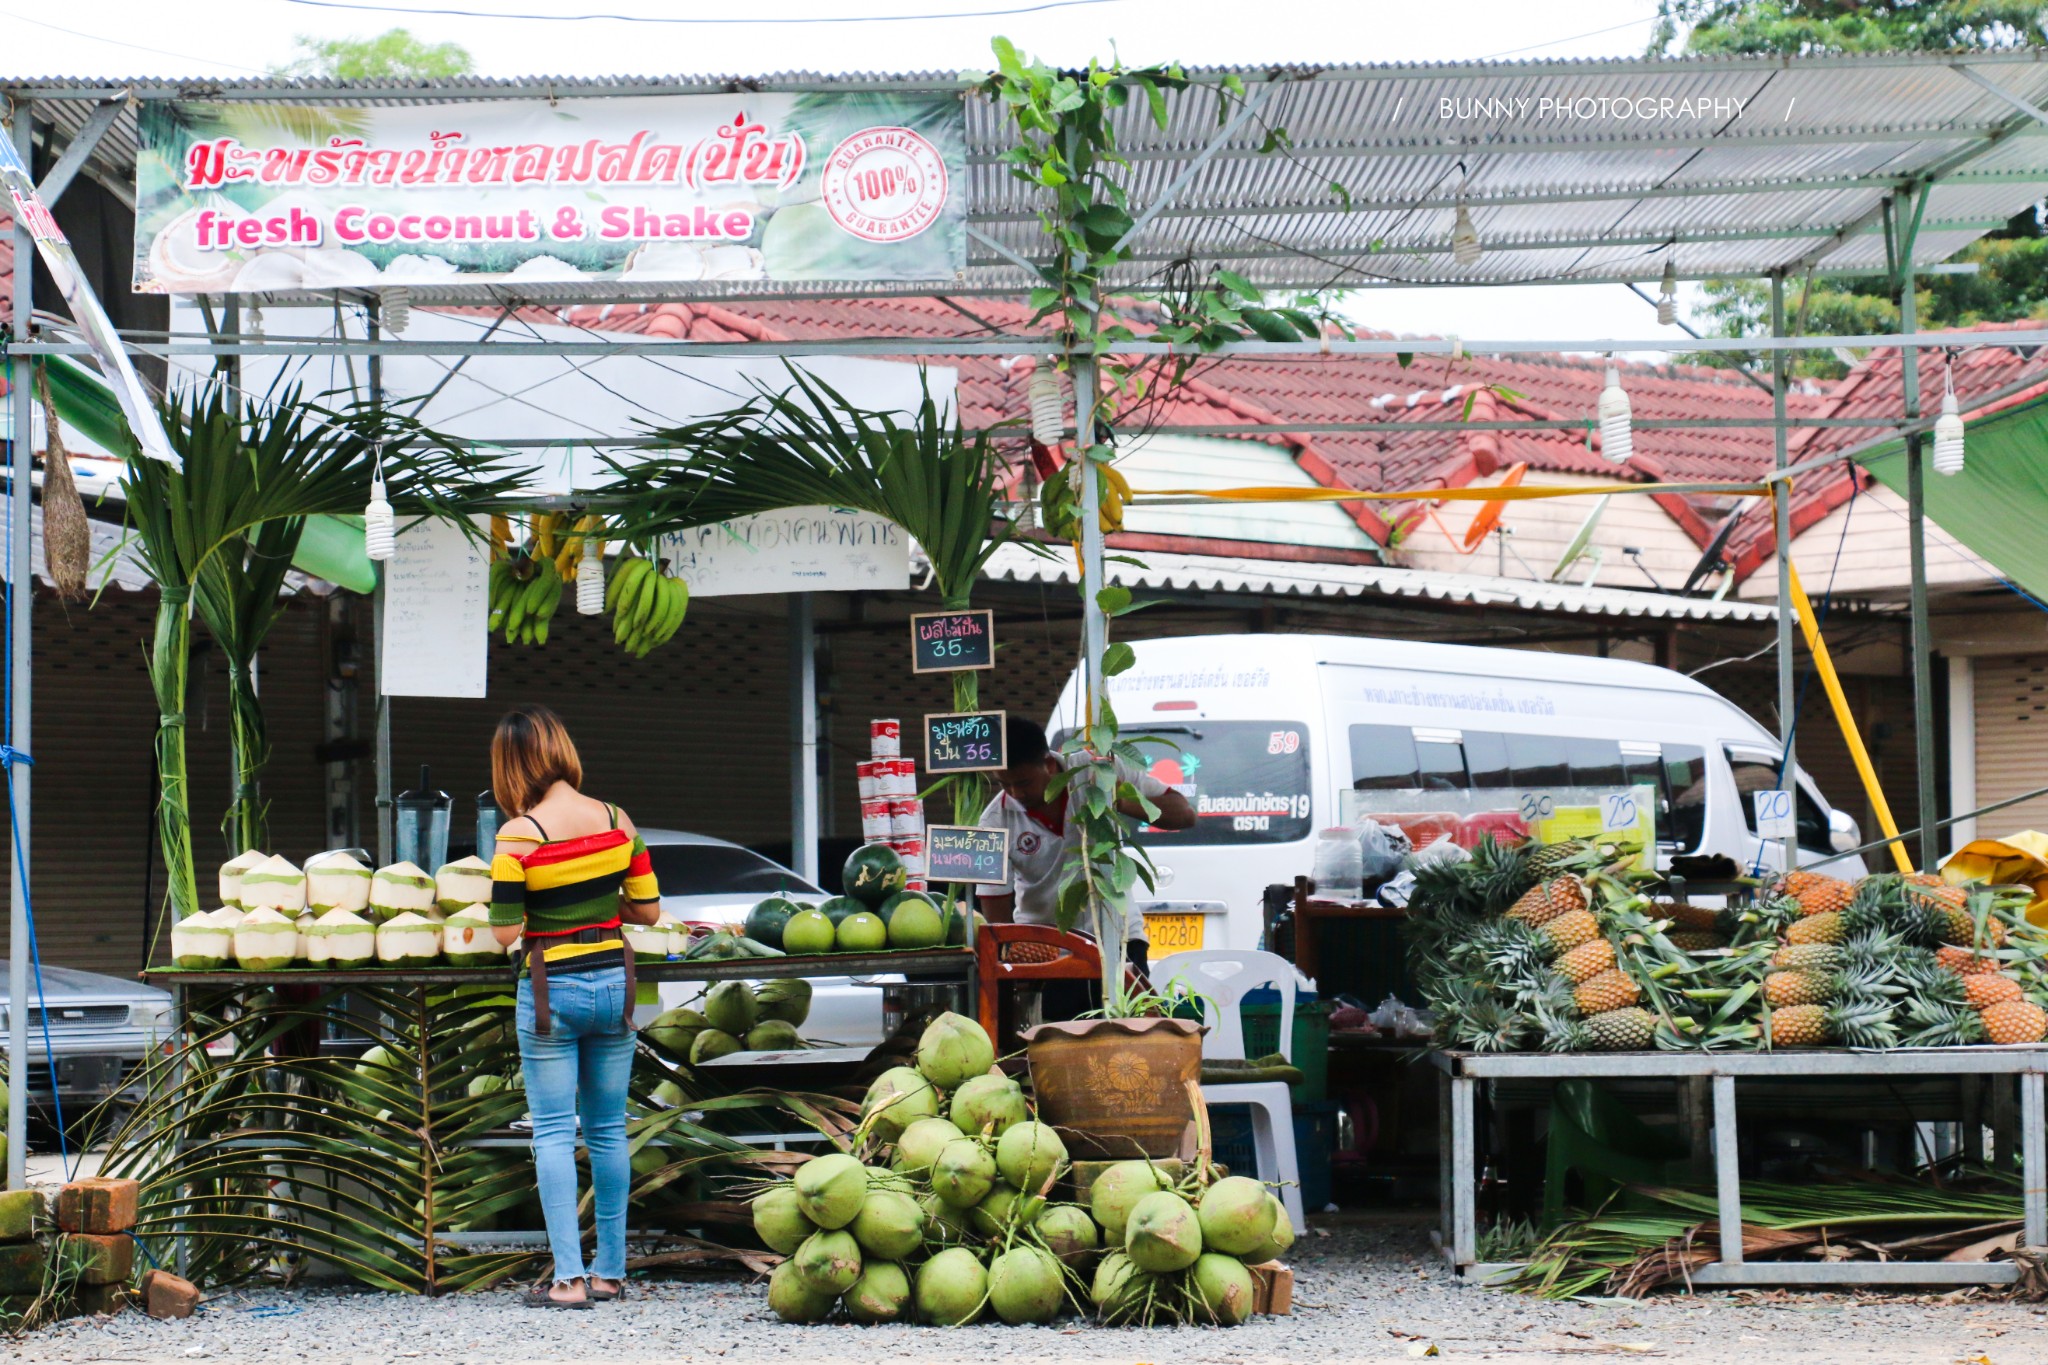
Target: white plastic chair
1222 979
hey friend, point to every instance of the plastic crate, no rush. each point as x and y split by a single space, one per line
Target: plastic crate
1230 1139
1315 1141
1311 1041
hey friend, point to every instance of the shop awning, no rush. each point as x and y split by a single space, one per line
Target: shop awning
1286 578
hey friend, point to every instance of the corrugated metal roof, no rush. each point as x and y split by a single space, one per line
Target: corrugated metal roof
1721 165
1261 577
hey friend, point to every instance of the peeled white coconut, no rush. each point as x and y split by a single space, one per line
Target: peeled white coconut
417 269
178 264
466 881
666 261
302 928
468 940
678 935
399 888
337 882
202 943
648 942
231 876
274 884
338 267
228 916
408 939
341 938
732 263
265 941
269 272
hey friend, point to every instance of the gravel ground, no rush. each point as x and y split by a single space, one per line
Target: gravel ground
1365 1292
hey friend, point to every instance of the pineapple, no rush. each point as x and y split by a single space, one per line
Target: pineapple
1807 957
1817 894
1480 885
2014 1021
1563 1030
1986 989
1957 921
1852 1023
1572 929
1783 990
1798 1026
1696 940
1545 901
1610 990
1944 1025
1548 860
1587 961
1629 1029
1963 962
1705 918
1825 927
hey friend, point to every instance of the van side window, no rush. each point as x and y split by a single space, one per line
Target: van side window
1383 758
1756 772
1486 755
1536 761
1681 782
1595 762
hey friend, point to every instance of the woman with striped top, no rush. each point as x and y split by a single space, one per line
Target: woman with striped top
568 872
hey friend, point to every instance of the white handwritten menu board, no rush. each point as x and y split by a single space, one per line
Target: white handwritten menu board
436 598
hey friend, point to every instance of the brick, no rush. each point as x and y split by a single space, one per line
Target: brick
1273 1289
108 1259
101 1298
23 1215
164 1295
97 1206
22 1267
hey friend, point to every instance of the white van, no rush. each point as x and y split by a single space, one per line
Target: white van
1280 736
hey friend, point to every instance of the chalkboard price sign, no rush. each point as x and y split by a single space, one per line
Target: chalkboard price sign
964 742
952 641
967 853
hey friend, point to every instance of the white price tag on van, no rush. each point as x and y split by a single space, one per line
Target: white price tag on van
1774 818
1619 811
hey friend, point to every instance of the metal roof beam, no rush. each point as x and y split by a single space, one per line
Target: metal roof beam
1246 111
1978 78
81 147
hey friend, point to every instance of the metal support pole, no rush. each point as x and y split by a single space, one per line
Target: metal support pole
1781 510
803 735
1916 518
21 587
1464 1174
1727 1170
2034 1147
1094 625
387 815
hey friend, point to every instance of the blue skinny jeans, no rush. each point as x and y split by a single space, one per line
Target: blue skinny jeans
580 1068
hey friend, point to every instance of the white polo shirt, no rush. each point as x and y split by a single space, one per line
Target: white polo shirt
1037 855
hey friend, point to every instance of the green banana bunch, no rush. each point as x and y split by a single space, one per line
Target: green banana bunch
525 594
647 605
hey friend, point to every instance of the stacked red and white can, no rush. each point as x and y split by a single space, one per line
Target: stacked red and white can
890 809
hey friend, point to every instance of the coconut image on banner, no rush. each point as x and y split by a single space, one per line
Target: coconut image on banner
272 199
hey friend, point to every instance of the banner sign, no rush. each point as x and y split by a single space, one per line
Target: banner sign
55 249
268 198
799 549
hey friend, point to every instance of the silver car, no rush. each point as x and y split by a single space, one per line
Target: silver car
711 881
98 1030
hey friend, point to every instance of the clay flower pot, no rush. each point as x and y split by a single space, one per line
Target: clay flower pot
1116 1087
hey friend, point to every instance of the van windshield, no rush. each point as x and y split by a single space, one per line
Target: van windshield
1248 780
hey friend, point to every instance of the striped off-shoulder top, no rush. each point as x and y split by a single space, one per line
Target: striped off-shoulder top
564 886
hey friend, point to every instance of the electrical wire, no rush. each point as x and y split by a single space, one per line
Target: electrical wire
137 47
663 19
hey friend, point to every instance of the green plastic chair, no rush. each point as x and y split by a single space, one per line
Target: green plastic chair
1595 1135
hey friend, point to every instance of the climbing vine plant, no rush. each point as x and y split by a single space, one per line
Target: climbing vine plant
1065 125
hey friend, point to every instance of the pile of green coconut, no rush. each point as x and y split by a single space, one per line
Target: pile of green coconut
735 1016
946 1210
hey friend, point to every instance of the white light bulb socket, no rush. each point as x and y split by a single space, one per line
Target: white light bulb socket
1466 248
1948 437
1617 434
252 325
1048 409
590 579
394 312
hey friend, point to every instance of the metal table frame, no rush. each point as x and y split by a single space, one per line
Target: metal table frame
1461 1073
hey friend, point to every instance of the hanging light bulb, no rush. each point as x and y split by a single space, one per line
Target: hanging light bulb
253 325
1048 412
1465 245
590 578
380 526
1667 295
1948 430
394 310
1617 437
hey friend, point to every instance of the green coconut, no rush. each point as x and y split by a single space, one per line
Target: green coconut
730 1006
830 1189
1069 1233
828 1261
807 933
881 1294
712 1044
1025 1284
1278 1241
486 1085
1164 1234
408 939
466 881
231 877
266 941
964 1173
862 933
1122 1292
202 943
916 923
944 1225
779 1219
1004 1208
1117 1191
1237 1216
676 1029
339 882
952 1049
669 1095
889 1225
1030 1155
1224 1286
398 889
989 1104
773 1035
918 1146
788 1000
951 1288
790 1299
468 940
896 1099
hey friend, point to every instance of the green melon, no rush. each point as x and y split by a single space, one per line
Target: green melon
837 908
915 923
806 933
765 921
873 874
862 933
887 909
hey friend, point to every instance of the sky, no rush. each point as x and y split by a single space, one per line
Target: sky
126 38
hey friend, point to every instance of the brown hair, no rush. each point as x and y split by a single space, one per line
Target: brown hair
530 752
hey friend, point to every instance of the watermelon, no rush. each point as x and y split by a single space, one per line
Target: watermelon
888 907
839 907
764 922
873 874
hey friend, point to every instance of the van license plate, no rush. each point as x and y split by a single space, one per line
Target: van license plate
1173 933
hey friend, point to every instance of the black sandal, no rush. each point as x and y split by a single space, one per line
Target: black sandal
596 1295
542 1296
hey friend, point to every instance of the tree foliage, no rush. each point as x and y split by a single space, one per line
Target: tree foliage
394 54
1811 26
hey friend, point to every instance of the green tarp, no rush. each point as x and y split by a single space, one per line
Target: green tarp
331 548
1998 505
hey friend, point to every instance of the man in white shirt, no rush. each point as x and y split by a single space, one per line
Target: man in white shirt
1042 830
